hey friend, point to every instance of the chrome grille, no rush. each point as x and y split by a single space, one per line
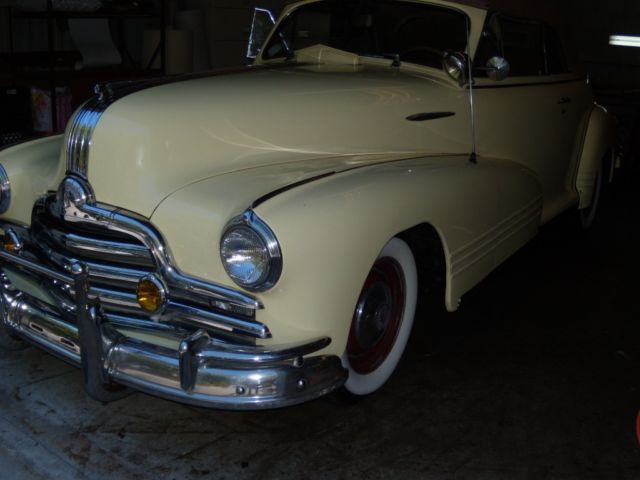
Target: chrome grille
119 248
116 261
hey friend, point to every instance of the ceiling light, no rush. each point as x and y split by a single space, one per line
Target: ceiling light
624 41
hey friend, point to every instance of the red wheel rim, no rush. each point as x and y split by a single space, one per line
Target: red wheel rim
378 316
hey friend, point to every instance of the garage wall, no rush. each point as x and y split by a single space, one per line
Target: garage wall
4 28
228 25
590 22
611 67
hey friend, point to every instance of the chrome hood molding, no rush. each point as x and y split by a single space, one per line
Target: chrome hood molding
82 125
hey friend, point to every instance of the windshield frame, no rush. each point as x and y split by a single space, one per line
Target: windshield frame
471 41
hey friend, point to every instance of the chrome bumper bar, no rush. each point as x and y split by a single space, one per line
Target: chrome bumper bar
202 371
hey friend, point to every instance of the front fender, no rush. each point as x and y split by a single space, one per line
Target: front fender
33 168
332 230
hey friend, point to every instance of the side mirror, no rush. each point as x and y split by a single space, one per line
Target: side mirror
456 65
498 68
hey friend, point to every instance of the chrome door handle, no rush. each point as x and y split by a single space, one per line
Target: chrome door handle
564 100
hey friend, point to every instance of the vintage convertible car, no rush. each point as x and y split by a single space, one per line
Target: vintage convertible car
250 239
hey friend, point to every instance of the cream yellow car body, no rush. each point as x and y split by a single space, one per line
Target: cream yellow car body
331 137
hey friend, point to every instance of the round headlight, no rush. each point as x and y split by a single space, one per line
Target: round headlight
250 253
5 190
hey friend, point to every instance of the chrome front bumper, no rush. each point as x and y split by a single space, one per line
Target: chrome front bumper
202 370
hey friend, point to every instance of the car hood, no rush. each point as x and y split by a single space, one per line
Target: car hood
154 142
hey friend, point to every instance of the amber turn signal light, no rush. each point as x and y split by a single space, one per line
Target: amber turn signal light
10 242
151 294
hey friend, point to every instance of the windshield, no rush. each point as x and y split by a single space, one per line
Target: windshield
410 32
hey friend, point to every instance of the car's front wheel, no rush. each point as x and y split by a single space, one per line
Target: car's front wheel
382 319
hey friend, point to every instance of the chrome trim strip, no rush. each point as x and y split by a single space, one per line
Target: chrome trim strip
118 274
143 325
122 276
536 83
228 354
194 316
35 267
79 137
79 242
113 297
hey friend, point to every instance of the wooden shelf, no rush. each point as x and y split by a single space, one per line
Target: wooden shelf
53 68
97 14
37 61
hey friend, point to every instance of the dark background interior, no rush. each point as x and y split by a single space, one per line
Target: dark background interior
30 57
544 383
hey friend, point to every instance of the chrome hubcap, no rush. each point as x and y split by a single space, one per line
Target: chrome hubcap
378 316
373 315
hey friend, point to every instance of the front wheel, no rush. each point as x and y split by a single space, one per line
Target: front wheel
382 319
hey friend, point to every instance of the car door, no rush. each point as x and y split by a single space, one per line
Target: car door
533 116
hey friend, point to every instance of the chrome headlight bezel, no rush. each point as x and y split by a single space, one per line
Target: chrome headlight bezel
5 190
249 221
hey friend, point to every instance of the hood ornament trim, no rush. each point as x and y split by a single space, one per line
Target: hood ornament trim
82 125
72 194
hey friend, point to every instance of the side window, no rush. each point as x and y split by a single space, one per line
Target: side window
523 47
489 46
423 36
531 48
556 60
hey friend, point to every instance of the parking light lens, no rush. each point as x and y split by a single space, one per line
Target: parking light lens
151 294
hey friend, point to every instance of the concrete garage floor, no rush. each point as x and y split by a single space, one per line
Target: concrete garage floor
537 377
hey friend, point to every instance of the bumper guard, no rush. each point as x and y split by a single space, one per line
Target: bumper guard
203 371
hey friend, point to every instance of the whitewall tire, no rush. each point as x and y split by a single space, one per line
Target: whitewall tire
382 319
